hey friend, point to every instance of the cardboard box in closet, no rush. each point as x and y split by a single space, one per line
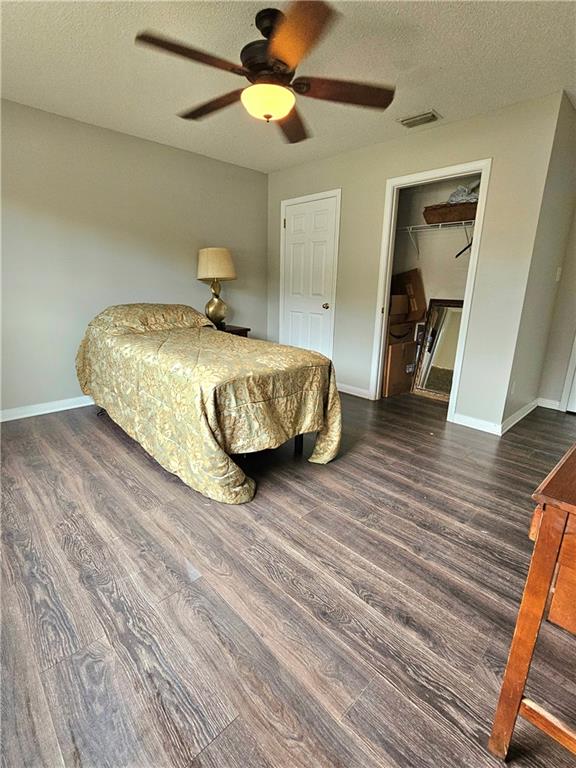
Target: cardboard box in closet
399 333
407 307
400 367
399 307
410 284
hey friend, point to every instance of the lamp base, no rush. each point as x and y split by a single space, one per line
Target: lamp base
216 308
216 311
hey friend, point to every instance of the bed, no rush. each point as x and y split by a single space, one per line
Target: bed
193 396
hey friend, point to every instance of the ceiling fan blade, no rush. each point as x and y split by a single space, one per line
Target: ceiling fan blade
299 31
212 106
292 127
344 91
180 49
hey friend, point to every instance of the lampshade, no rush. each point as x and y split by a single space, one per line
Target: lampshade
267 101
215 263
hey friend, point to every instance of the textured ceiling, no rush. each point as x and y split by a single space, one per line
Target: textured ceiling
78 59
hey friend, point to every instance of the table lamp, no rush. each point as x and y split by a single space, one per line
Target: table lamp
215 264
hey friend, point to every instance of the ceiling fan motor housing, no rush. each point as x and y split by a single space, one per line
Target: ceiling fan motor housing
266 20
254 56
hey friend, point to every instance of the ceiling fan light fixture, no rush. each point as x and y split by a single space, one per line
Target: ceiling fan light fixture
267 101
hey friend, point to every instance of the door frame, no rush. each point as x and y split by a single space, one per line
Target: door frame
570 380
337 194
393 187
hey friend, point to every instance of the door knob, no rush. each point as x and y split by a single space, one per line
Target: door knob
325 305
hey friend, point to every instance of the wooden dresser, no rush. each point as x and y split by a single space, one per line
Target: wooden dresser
550 585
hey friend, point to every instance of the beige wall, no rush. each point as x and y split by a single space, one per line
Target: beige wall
563 326
90 218
519 141
548 254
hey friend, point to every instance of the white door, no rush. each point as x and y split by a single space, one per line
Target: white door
309 255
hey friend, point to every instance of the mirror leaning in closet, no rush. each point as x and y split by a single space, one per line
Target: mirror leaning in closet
435 369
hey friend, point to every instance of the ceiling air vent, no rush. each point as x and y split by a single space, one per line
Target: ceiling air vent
425 117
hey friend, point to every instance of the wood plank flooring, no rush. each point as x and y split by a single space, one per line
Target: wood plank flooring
356 615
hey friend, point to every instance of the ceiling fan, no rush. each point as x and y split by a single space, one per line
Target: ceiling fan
270 65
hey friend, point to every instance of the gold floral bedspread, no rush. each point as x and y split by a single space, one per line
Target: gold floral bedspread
191 395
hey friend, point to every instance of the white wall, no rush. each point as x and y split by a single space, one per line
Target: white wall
90 218
443 276
519 141
562 328
548 254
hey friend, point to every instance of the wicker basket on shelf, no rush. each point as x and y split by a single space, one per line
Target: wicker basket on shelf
447 212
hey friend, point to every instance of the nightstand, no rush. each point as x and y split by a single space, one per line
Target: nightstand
236 330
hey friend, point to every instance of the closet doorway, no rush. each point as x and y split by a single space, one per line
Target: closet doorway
427 271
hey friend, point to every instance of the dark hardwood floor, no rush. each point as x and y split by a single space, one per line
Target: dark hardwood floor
356 615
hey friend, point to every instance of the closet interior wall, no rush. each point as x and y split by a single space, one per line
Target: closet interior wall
444 276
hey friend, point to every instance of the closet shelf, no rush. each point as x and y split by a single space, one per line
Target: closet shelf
443 225
415 229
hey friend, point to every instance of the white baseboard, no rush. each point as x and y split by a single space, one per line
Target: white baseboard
25 411
518 415
480 424
356 391
543 402
491 426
